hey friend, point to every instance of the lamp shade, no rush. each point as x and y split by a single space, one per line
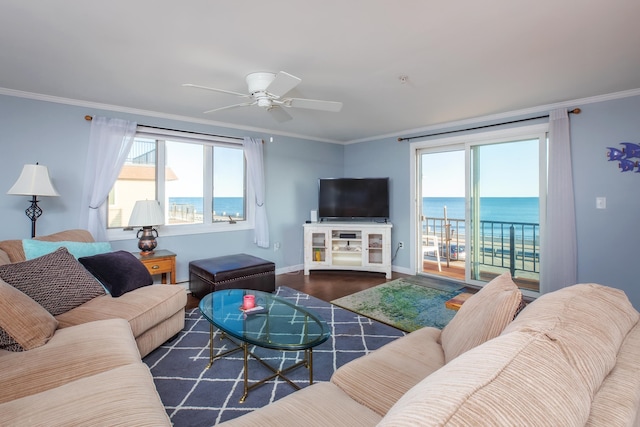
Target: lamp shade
146 213
33 181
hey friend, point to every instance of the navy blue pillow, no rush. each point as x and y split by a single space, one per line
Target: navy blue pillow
119 272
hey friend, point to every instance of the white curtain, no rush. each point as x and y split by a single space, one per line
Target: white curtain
255 169
559 251
109 145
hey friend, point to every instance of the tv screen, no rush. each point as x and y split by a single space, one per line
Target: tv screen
353 198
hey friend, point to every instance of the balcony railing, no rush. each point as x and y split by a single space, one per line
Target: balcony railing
510 245
142 153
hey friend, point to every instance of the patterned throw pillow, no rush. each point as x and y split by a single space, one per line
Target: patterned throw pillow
56 281
24 324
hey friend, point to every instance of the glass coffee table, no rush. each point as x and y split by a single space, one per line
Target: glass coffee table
282 326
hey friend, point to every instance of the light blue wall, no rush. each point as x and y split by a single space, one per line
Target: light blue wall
56 135
387 158
608 240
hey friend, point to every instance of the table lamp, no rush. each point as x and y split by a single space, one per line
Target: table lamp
146 214
34 181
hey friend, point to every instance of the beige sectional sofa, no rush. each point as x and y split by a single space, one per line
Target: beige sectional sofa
83 367
570 358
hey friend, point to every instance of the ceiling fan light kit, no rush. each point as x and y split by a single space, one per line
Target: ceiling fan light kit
257 82
267 90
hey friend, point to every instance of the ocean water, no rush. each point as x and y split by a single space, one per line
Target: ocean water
521 211
233 206
500 209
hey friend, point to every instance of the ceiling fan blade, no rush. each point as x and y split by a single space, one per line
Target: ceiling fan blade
244 95
282 84
279 114
314 104
244 104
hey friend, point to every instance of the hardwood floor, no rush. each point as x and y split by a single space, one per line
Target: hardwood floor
326 285
329 285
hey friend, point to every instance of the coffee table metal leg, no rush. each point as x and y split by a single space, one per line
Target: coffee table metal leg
246 372
309 356
213 357
210 346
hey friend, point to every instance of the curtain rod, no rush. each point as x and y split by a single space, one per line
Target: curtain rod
89 118
574 111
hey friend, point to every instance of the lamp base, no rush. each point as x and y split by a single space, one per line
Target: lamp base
147 242
33 212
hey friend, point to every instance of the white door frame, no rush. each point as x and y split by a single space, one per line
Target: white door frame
466 142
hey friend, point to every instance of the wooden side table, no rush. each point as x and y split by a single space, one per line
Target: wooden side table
456 302
160 262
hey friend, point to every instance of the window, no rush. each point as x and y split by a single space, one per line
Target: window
201 186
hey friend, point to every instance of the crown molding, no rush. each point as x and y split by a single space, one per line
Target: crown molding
155 114
507 115
439 126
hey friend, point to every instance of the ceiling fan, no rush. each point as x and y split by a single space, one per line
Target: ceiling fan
267 90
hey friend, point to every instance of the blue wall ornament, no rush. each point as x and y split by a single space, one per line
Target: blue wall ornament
629 151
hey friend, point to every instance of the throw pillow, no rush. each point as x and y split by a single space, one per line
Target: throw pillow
119 272
24 324
37 248
56 281
482 317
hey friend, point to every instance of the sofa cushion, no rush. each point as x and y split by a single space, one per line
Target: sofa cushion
122 396
616 401
482 317
517 379
119 271
588 322
56 281
71 354
380 378
321 405
36 248
24 324
144 308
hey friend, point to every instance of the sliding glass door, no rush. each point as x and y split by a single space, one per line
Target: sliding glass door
505 211
479 206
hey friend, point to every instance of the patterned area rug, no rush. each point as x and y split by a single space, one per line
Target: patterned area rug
408 303
196 396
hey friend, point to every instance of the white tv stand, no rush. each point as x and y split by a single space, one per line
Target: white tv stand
363 246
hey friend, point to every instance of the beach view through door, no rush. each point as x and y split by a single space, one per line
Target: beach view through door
442 213
504 212
480 211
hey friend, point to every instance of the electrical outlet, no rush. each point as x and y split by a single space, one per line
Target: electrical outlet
401 245
276 246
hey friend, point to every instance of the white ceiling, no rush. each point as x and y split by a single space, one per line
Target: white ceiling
463 59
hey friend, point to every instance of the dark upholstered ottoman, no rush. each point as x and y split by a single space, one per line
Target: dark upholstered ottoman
231 271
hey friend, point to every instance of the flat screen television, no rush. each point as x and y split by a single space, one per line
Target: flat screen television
353 198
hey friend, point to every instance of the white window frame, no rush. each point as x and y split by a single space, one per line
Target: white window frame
208 226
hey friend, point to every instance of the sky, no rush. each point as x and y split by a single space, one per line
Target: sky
228 177
506 170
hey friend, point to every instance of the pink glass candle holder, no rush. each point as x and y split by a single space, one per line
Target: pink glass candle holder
249 302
